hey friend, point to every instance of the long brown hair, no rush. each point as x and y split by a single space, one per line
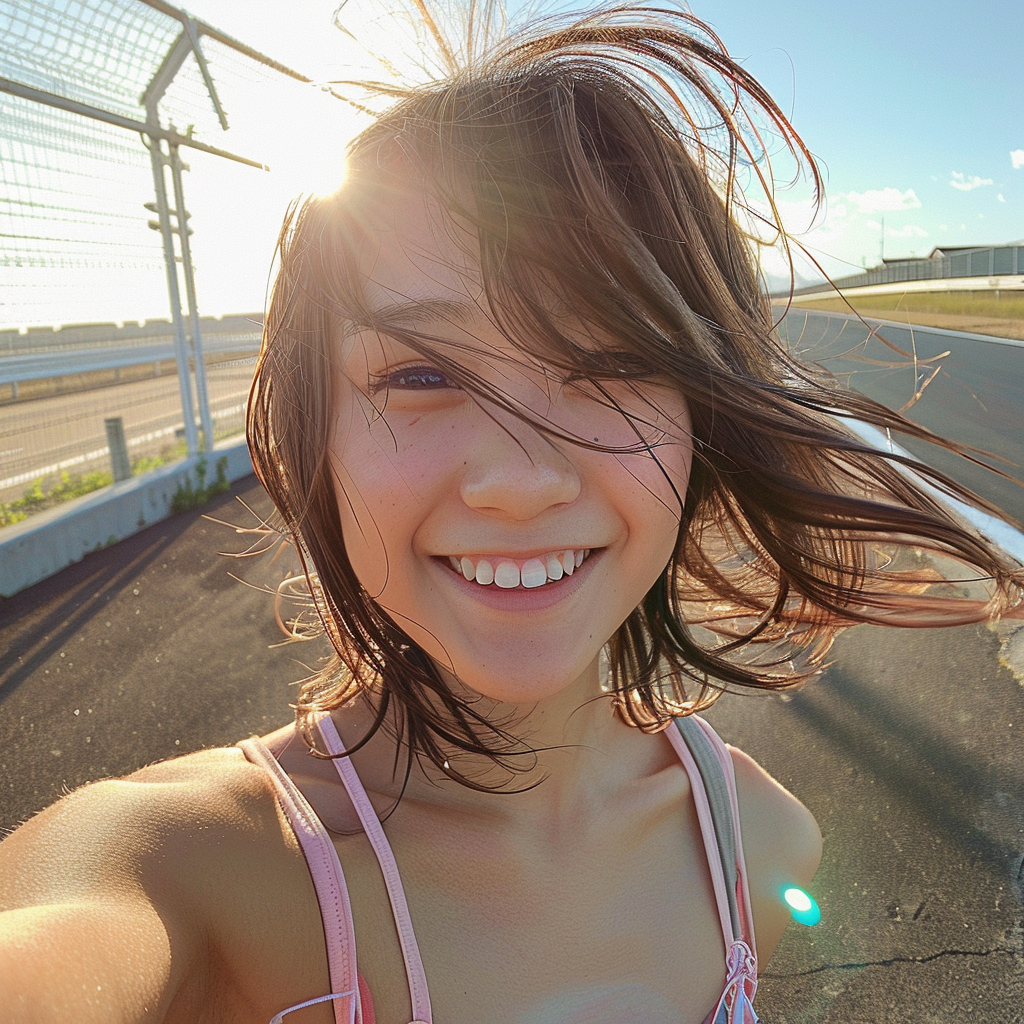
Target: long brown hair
599 161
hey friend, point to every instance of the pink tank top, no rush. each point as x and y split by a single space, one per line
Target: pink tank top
709 767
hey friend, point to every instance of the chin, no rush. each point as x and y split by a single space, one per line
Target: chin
525 690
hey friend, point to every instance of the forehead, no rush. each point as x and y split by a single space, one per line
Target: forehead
414 250
419 264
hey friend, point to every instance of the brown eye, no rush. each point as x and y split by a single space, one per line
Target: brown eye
411 378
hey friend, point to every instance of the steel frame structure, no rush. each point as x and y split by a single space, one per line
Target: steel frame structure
164 145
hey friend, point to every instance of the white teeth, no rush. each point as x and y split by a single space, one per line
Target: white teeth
506 575
534 573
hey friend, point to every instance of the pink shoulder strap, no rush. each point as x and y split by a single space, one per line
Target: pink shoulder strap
389 869
724 853
329 880
329 883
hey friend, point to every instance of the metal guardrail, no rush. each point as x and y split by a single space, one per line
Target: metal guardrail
45 353
15 369
992 261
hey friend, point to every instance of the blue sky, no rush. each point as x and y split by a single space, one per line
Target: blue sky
911 105
913 108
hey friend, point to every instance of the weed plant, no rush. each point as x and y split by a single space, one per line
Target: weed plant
46 492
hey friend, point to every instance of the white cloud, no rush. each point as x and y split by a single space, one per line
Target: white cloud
1017 158
968 183
909 231
882 200
1001 197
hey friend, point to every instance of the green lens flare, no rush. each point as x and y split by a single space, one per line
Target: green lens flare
801 905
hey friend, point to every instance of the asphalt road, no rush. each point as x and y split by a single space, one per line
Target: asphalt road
907 750
39 438
976 397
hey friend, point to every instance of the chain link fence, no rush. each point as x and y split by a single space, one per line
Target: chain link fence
140 186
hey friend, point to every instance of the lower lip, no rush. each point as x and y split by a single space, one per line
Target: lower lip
521 598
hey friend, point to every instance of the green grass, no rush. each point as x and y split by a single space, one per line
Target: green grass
46 493
188 496
1008 305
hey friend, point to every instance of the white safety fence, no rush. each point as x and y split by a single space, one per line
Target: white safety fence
104 265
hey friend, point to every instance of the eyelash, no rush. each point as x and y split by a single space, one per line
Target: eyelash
411 378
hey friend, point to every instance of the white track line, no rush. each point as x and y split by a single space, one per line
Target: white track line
999 532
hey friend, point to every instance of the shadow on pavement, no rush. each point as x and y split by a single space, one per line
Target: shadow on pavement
49 614
907 750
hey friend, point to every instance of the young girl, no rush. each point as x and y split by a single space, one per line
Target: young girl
555 483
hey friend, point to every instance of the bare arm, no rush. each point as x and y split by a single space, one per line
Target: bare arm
91 926
782 847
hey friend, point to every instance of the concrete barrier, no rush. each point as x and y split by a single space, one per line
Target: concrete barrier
44 544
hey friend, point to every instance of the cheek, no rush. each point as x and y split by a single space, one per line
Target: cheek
662 473
657 493
367 490
363 526
385 473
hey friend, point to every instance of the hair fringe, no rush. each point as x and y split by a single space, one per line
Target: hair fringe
598 158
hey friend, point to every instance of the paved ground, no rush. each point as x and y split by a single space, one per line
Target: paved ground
976 396
907 750
140 651
999 327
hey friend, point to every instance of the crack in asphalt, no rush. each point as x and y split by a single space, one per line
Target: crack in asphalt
894 960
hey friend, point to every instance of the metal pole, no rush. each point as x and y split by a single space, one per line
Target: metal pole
157 159
149 129
199 366
119 461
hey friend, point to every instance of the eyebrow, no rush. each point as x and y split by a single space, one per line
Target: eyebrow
418 311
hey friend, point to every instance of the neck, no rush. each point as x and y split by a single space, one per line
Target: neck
572 754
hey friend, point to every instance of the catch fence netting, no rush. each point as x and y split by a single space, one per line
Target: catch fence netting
98 97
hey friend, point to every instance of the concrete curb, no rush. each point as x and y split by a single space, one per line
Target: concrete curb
44 544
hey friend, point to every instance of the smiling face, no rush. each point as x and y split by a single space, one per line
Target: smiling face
508 554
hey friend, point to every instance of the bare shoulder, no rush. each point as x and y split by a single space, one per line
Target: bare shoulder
777 827
130 883
143 820
781 843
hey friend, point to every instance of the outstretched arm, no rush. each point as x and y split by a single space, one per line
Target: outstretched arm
90 926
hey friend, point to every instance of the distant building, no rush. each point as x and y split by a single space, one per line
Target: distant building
945 268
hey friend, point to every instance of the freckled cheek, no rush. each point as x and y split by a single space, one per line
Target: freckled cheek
657 483
387 482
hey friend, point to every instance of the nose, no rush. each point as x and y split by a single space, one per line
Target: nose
516 471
